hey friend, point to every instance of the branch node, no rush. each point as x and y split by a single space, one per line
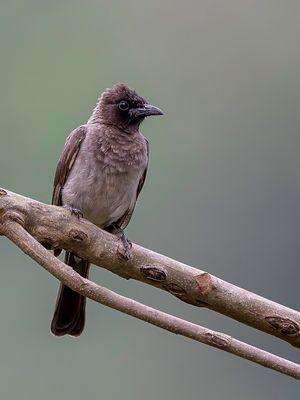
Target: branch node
174 289
283 325
204 283
13 216
3 192
218 340
154 273
77 235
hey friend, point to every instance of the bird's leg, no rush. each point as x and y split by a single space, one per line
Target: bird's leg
74 211
127 244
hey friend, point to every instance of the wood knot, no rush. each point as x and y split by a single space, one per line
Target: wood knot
204 283
217 340
175 289
154 273
15 217
3 192
283 325
77 235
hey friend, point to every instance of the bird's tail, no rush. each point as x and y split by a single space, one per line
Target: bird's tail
69 314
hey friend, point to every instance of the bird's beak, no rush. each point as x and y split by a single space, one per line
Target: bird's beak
146 111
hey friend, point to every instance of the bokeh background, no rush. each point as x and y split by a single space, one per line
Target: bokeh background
222 193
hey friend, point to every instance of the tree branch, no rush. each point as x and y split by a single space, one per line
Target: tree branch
23 219
17 234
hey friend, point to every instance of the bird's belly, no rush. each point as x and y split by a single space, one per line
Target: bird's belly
106 206
102 199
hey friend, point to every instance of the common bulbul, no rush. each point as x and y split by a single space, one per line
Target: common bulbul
99 176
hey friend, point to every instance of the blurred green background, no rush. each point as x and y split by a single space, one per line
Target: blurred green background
222 193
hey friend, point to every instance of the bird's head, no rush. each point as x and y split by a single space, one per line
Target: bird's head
123 107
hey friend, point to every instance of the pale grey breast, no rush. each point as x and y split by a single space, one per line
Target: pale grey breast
104 179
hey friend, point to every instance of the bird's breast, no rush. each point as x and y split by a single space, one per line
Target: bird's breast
103 189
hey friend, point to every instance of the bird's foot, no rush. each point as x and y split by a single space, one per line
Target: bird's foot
74 211
124 250
127 246
126 243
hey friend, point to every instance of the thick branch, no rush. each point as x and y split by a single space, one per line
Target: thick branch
55 228
15 232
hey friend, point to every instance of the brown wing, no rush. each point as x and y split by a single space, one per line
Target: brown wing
66 162
125 219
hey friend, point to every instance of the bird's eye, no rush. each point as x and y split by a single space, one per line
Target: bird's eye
123 105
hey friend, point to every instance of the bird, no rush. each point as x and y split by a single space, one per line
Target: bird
99 176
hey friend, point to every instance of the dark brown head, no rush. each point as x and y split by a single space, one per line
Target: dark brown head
124 108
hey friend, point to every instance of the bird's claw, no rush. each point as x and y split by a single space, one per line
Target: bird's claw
74 211
124 250
126 244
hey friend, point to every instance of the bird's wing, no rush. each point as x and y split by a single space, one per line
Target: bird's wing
125 219
143 178
66 162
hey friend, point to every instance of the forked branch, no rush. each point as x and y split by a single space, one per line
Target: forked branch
32 226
